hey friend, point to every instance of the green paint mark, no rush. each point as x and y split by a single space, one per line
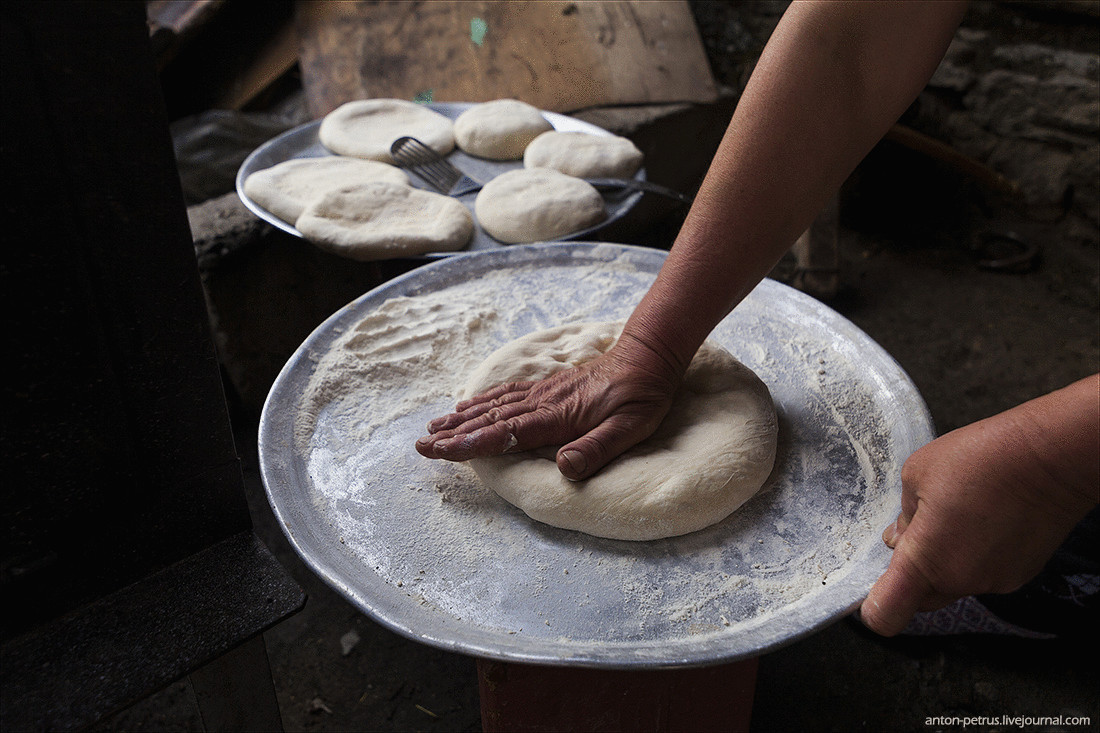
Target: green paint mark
424 97
478 28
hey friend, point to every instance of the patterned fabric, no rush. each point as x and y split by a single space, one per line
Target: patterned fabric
1063 600
967 616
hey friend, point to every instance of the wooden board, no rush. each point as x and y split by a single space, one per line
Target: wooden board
558 56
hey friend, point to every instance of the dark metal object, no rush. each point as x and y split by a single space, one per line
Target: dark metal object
1006 252
433 168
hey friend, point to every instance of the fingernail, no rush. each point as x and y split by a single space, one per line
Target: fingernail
576 461
448 443
890 534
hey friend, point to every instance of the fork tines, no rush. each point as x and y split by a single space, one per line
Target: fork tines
422 160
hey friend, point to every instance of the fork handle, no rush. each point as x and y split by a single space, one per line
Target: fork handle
639 186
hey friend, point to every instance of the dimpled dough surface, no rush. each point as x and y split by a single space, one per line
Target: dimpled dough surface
712 452
366 128
382 220
286 189
537 204
499 130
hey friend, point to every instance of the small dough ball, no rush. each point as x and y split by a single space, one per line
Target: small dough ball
287 188
499 130
382 220
366 128
536 205
584 155
711 453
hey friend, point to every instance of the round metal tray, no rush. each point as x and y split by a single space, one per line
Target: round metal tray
423 549
302 142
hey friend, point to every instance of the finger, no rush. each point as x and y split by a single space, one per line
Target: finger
456 419
470 440
895 597
496 414
588 454
494 393
507 428
490 440
893 533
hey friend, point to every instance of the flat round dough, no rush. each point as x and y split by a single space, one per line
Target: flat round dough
712 452
584 154
287 188
499 130
366 128
383 220
537 205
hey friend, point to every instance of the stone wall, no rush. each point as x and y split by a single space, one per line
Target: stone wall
1014 92
1019 91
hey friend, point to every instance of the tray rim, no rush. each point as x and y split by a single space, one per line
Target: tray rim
617 655
257 160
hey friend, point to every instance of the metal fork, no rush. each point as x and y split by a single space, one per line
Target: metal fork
437 171
443 176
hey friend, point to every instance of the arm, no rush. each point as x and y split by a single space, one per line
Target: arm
985 506
832 80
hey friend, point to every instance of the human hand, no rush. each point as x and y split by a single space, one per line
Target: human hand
595 411
983 508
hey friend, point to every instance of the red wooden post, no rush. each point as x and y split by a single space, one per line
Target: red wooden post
525 698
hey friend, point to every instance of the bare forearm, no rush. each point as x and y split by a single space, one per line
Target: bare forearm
1061 432
831 81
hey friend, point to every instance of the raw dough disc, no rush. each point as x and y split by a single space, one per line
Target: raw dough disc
287 188
366 128
499 130
536 205
712 452
584 155
383 220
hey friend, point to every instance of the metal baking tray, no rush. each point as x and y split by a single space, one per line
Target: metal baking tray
423 549
302 142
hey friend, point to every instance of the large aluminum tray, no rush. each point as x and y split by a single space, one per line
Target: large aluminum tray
302 142
423 549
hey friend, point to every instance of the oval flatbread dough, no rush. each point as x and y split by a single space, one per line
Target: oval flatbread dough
499 130
287 188
710 454
536 205
382 220
584 155
366 128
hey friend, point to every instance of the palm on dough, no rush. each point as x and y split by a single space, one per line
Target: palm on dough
595 411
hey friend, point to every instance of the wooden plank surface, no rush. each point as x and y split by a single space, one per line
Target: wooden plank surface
559 56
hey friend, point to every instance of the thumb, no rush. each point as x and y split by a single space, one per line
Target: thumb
586 455
895 597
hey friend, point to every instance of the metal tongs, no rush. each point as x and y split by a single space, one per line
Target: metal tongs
445 177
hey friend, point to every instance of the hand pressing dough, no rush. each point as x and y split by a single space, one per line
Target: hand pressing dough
711 453
383 220
366 128
536 205
499 130
287 188
584 155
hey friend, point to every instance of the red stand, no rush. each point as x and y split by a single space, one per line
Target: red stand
524 698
